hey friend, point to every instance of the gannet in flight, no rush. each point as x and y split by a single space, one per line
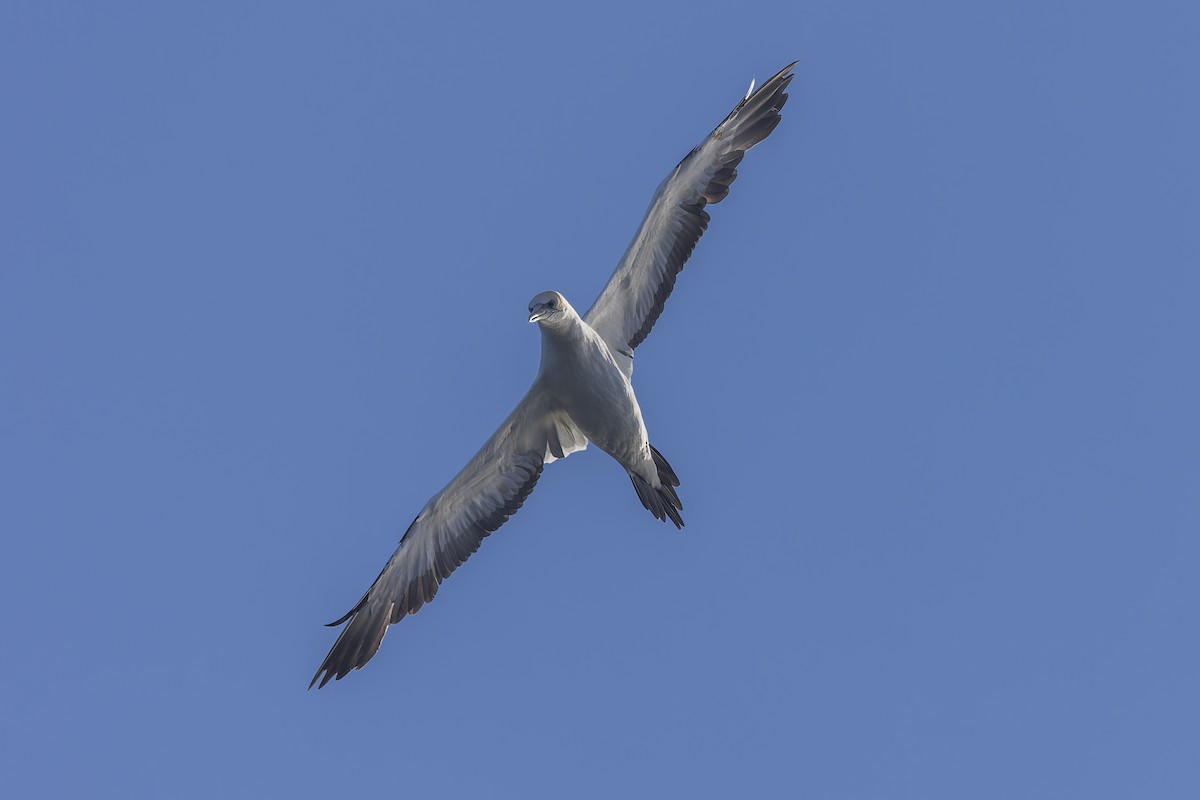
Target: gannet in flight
582 392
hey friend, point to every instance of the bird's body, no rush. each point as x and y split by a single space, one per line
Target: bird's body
581 376
583 392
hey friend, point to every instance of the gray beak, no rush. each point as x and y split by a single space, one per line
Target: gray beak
538 313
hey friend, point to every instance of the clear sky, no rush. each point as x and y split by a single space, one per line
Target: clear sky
930 381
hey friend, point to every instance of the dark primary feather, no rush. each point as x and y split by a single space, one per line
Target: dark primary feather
634 296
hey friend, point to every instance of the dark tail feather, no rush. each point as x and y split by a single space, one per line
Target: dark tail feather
662 502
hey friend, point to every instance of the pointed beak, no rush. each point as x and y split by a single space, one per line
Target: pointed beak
537 313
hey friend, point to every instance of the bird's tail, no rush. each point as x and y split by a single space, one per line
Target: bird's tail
661 501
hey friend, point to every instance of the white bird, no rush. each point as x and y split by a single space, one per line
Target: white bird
582 392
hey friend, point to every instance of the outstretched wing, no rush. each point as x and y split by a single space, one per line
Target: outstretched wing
634 296
481 498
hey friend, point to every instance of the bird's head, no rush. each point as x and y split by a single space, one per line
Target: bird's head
549 309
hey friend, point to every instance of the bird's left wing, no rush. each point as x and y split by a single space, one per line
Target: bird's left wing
635 295
481 498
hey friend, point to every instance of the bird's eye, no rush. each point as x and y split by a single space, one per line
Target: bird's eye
553 302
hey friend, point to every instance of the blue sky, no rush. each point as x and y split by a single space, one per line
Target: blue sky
930 382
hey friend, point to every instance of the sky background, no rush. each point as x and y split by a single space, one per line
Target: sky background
930 382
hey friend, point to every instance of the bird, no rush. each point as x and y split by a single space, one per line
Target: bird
582 392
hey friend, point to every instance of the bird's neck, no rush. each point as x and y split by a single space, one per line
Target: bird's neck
561 342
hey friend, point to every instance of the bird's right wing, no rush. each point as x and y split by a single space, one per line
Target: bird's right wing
635 295
481 498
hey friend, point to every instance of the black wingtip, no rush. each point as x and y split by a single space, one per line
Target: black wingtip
329 675
324 668
326 672
771 86
783 73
